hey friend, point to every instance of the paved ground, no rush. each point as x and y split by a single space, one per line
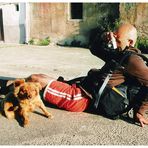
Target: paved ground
66 128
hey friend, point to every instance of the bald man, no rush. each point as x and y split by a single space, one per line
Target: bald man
126 36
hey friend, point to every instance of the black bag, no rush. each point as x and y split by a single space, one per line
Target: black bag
114 102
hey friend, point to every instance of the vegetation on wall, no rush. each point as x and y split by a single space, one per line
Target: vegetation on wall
129 6
109 14
105 26
112 26
142 44
108 21
41 42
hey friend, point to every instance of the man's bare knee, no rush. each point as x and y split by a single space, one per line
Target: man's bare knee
41 78
32 78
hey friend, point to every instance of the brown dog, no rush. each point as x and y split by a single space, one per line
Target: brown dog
23 99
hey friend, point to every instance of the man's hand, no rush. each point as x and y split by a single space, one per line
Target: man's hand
141 119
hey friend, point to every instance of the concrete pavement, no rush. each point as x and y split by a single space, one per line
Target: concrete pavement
67 128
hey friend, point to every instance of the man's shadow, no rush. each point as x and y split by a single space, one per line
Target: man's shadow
4 88
123 117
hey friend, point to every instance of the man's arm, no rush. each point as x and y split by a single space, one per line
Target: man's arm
137 67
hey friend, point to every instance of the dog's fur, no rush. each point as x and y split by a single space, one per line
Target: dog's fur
23 99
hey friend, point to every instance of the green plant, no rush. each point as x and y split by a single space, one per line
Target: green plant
109 25
31 42
44 42
116 24
41 42
142 44
129 6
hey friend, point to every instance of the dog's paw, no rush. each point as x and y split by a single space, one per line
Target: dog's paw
26 123
10 115
50 116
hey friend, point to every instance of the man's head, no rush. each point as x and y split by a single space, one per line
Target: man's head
126 35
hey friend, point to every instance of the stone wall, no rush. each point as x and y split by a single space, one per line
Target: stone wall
52 19
137 14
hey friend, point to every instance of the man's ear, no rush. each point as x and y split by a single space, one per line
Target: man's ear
18 82
131 42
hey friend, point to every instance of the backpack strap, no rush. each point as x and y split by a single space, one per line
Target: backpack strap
116 65
98 95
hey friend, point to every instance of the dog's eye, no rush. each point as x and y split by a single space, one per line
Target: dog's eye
29 95
22 92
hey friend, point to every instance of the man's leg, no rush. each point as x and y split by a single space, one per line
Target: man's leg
41 78
6 84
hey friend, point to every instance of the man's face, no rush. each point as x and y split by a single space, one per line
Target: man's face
121 40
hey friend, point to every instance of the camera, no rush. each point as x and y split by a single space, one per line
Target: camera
112 43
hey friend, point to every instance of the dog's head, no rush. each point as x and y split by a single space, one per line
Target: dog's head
26 90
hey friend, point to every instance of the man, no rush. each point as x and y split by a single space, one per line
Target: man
76 98
126 35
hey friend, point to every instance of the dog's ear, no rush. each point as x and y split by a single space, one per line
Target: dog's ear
18 82
38 85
